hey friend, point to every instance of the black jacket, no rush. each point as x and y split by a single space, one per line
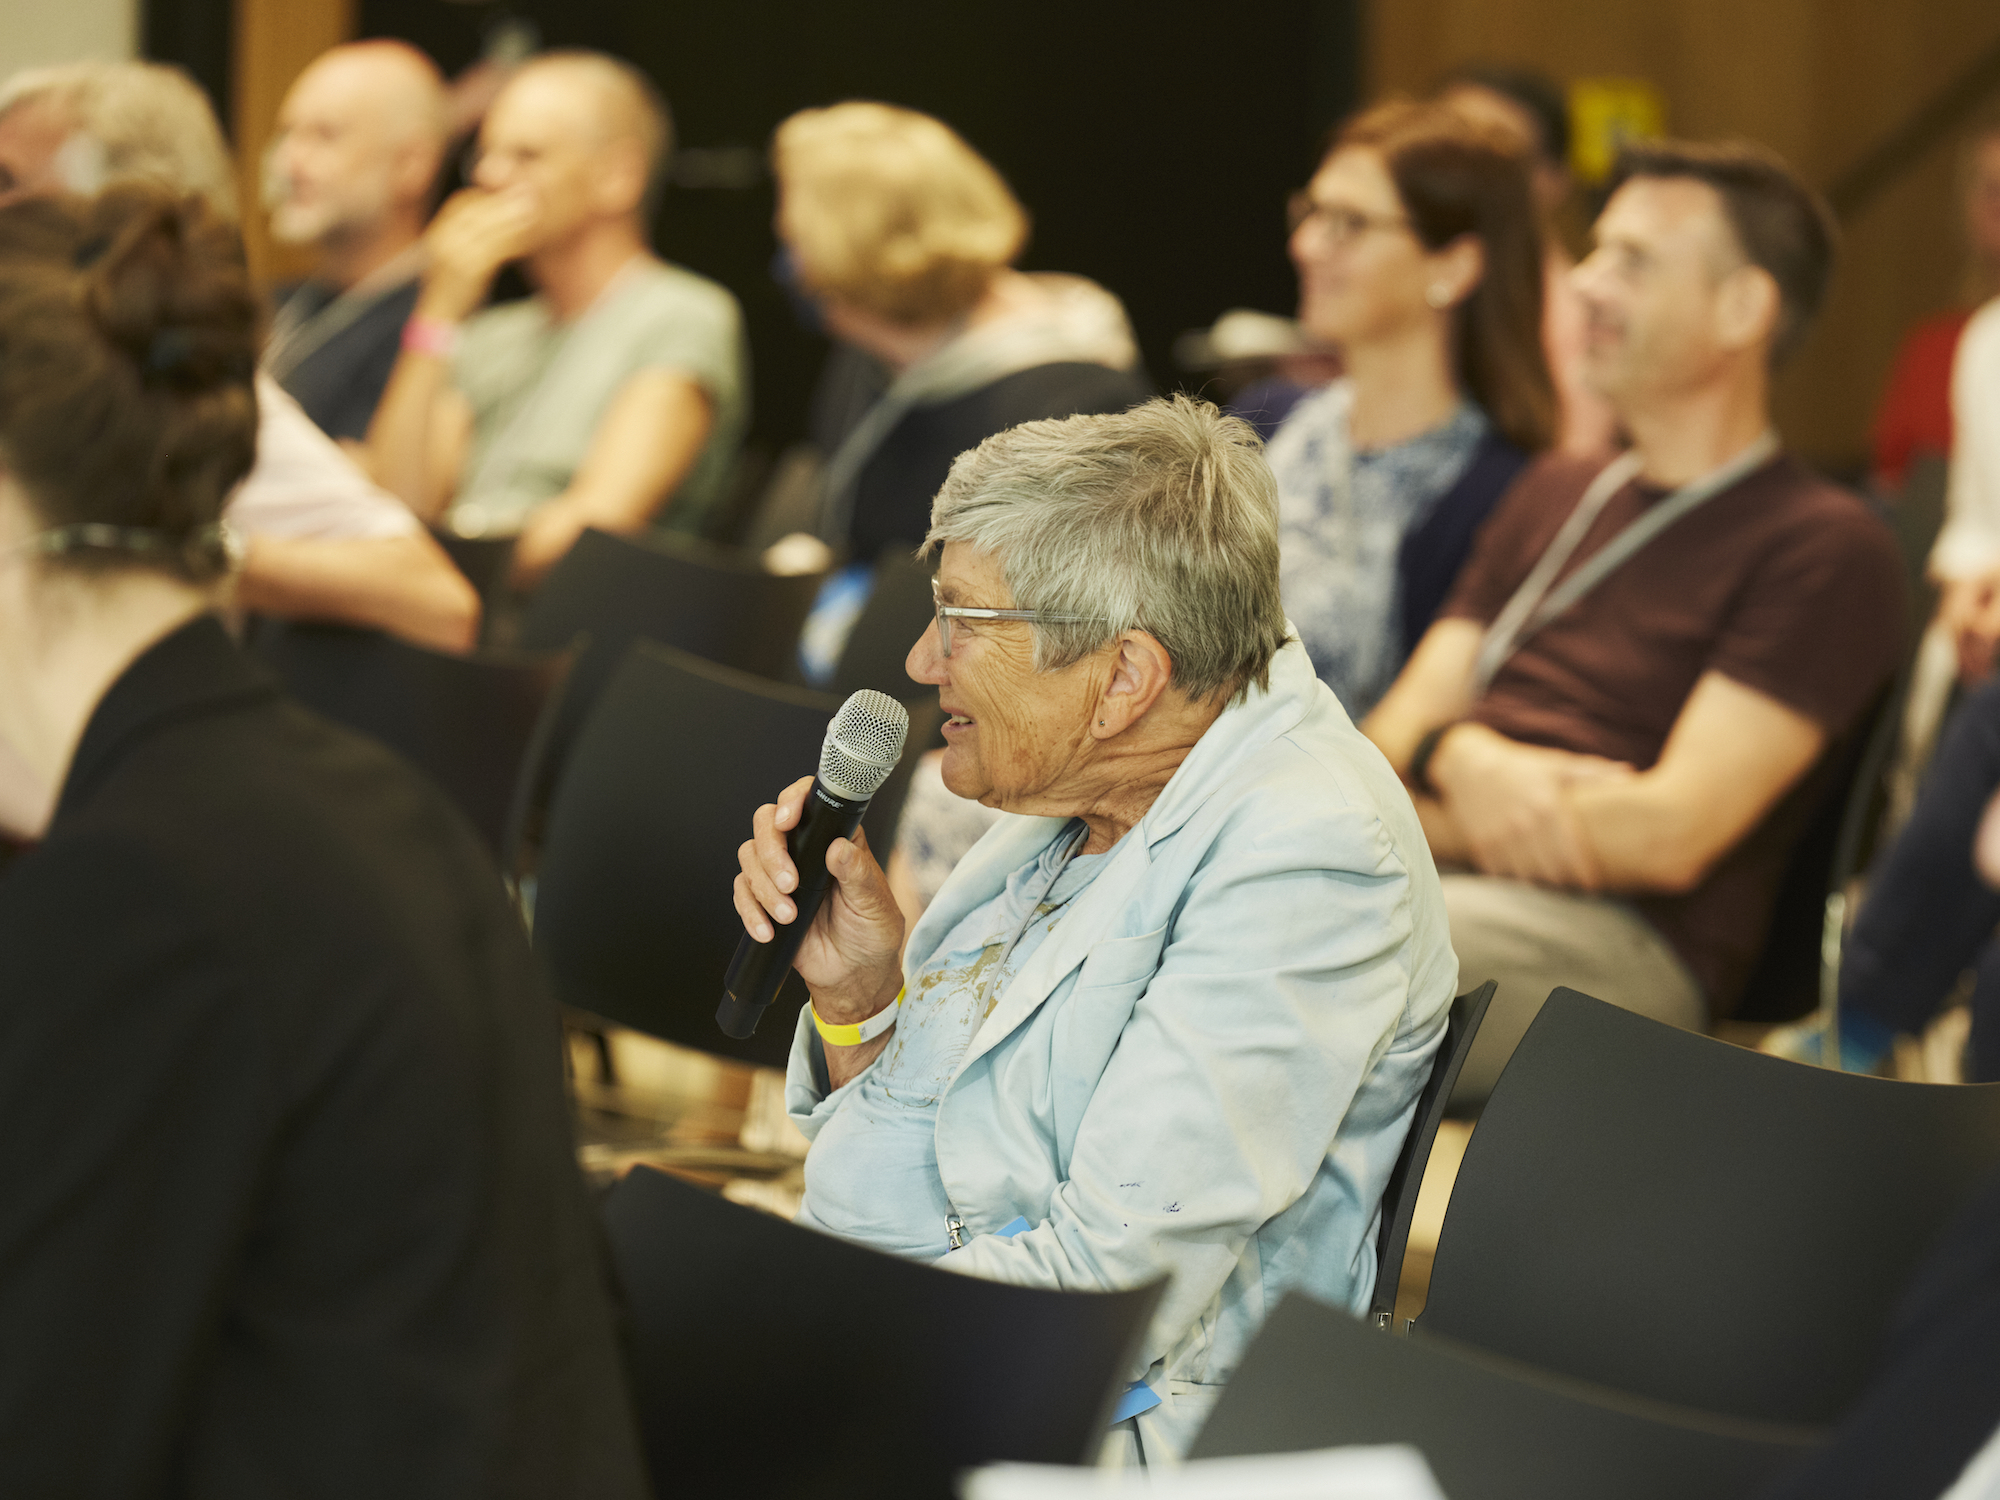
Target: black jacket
288 1204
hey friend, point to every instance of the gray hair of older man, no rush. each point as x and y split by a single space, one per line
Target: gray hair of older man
1163 518
131 121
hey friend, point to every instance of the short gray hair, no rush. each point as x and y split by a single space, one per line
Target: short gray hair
1163 518
140 122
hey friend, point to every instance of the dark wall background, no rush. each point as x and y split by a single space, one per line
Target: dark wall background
1153 144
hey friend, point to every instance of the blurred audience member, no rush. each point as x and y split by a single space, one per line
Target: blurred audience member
1966 559
937 829
291 1205
323 541
1418 256
1622 719
1931 912
350 173
904 238
1915 417
1531 107
616 396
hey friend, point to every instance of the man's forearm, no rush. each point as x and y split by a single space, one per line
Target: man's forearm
405 585
400 435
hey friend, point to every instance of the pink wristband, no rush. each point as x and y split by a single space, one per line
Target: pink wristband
431 336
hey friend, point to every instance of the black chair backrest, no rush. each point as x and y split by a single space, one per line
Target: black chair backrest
899 607
1491 1429
484 560
466 721
771 1360
633 915
1399 1198
1667 1214
717 604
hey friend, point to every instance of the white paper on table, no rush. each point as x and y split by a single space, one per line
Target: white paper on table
1385 1473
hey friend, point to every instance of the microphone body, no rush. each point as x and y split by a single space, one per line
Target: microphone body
863 744
759 970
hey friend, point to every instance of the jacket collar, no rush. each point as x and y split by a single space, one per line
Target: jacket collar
193 670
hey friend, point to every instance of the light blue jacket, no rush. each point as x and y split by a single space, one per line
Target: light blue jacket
1209 1066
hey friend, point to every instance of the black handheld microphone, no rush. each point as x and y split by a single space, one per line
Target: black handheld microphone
862 746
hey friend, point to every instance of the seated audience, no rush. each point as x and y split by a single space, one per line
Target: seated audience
936 830
290 1203
1915 417
1966 559
323 542
616 396
1625 714
351 173
1931 912
1174 1011
903 238
1419 258
1530 106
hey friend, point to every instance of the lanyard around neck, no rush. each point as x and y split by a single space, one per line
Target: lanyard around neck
1535 602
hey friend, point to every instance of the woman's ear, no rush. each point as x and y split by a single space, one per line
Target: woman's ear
1456 270
1140 672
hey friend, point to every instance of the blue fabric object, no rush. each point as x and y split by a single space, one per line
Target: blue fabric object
1371 540
872 1176
1207 1069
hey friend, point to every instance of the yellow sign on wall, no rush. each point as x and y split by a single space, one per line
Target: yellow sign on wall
1604 113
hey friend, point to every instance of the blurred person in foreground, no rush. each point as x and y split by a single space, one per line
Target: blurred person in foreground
290 1204
1636 695
350 173
1173 1012
903 239
1531 107
1419 258
615 396
1914 420
322 541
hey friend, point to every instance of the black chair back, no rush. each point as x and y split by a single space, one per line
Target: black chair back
899 608
1491 1429
466 721
1666 1214
709 601
770 1360
633 916
1399 1198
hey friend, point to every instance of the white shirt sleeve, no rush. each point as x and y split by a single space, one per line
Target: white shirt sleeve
304 487
1969 544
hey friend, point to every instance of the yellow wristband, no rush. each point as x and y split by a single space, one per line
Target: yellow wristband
854 1036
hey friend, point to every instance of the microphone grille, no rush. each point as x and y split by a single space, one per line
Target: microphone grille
863 744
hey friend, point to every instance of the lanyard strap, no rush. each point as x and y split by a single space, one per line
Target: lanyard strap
1535 604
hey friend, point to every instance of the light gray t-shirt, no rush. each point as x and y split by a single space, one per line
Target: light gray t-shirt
539 389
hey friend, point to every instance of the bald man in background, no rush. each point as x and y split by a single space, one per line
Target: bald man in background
615 396
351 172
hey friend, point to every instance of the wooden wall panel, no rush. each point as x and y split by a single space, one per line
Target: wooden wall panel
274 41
1819 80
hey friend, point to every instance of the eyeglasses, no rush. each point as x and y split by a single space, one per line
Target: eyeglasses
1340 224
946 613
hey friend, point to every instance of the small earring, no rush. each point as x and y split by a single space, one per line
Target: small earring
1100 723
1438 297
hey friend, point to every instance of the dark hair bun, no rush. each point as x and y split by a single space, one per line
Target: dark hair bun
128 346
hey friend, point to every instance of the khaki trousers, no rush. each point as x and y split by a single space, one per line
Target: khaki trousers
1532 939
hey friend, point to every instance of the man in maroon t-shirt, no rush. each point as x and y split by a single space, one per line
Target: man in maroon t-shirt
1612 772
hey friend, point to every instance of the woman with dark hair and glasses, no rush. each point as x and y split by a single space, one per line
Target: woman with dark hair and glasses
1420 258
288 1203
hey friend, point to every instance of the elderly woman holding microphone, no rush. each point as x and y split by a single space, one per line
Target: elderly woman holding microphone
1173 1013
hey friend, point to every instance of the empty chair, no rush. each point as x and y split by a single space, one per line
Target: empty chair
1399 1198
466 721
770 1360
1666 1214
633 913
717 604
1490 1428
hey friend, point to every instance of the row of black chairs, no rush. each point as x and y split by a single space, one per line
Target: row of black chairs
612 759
1666 1269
